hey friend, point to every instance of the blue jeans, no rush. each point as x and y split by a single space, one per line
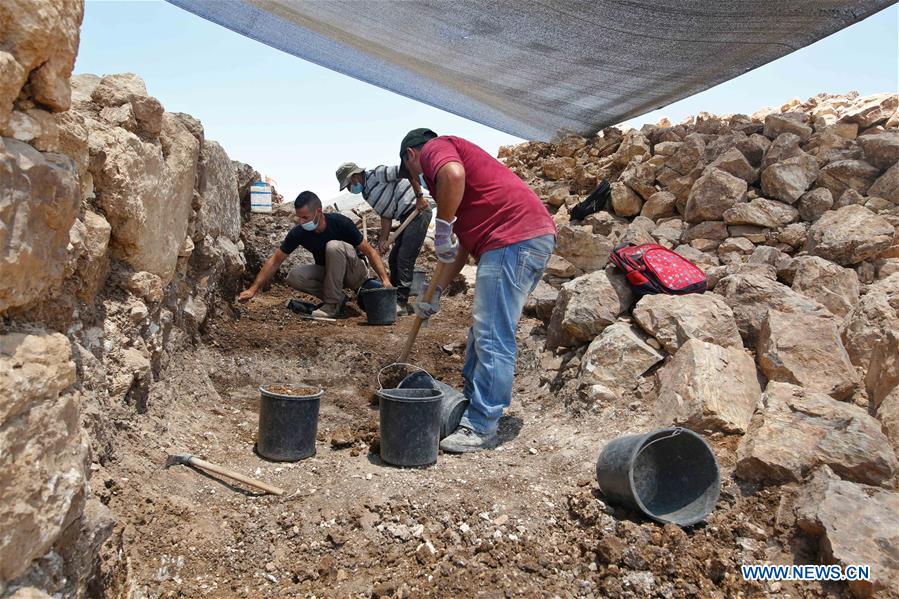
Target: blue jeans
506 276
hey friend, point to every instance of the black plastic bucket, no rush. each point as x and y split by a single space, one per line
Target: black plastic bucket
380 305
410 426
669 474
288 425
454 403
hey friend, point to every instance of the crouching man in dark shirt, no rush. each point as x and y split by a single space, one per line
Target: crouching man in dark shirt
335 244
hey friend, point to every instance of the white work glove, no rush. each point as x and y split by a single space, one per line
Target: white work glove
444 244
425 310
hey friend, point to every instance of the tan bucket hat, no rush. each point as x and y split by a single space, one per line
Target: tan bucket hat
345 171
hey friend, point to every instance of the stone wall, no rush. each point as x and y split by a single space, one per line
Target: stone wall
119 238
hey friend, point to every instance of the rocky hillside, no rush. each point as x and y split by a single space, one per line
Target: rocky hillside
120 239
793 214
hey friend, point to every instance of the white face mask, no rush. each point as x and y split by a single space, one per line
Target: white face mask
311 225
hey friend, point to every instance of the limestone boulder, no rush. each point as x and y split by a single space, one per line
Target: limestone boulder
869 323
219 214
146 192
625 201
127 91
541 301
788 180
871 110
633 144
888 415
788 122
586 306
855 524
715 230
570 145
688 155
761 212
691 384
43 451
557 169
850 235
583 248
660 205
640 177
734 162
784 147
40 41
93 264
675 319
557 266
670 232
701 259
712 195
751 295
847 174
831 285
39 201
881 149
801 429
805 350
813 204
617 358
887 185
882 378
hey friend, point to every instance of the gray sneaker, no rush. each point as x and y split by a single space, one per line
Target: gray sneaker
464 440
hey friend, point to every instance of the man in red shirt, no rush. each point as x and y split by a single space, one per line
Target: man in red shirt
502 223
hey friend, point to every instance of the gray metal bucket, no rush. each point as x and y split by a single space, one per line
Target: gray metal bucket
669 474
454 403
419 281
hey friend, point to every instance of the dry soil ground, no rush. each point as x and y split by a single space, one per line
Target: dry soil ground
524 520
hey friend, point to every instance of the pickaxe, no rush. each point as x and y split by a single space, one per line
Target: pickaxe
190 460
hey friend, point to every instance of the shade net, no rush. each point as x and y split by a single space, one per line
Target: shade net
536 68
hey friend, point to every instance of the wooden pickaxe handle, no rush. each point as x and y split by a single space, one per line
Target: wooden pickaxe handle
429 292
405 224
236 476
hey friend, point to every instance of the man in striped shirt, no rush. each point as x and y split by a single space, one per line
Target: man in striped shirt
392 198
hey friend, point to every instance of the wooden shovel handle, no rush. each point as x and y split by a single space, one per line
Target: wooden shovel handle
236 476
429 292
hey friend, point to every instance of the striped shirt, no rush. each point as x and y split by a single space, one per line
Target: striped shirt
390 195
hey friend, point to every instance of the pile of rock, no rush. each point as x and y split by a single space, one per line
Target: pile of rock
793 214
120 237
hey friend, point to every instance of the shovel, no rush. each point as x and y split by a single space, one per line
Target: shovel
429 292
190 460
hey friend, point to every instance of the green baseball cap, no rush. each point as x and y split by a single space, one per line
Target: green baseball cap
345 171
413 139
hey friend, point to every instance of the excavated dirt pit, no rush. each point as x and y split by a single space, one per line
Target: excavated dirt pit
524 520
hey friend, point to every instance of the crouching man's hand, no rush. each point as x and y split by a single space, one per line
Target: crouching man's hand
246 295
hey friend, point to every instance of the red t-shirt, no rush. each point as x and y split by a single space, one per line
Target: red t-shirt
497 208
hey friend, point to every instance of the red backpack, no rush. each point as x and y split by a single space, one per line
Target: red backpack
651 268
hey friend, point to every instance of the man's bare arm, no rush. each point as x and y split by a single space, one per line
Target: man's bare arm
375 260
450 189
267 271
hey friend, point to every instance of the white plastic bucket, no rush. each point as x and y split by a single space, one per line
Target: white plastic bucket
260 197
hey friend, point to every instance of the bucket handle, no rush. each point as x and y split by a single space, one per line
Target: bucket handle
381 385
677 430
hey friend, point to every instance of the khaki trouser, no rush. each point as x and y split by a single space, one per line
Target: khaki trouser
342 269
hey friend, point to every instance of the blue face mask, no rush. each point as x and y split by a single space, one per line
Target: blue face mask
310 226
421 180
356 188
